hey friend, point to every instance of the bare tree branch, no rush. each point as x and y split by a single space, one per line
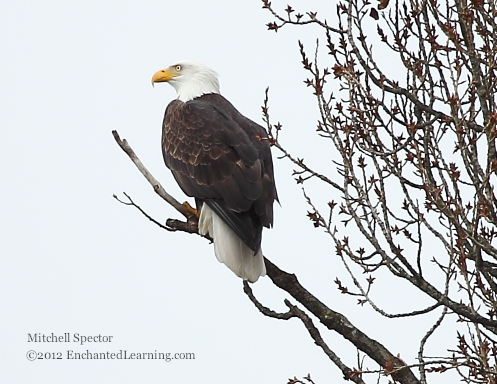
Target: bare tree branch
152 180
333 320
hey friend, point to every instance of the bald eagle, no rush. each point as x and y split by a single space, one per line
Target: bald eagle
223 160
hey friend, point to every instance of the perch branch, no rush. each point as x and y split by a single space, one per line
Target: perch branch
288 282
151 179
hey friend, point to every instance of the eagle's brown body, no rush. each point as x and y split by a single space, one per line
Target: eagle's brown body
222 159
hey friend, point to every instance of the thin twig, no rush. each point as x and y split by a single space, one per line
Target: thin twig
132 203
151 179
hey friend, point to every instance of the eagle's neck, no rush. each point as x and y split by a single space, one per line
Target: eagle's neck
196 86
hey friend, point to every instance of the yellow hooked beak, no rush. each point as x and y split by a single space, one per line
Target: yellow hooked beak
162 76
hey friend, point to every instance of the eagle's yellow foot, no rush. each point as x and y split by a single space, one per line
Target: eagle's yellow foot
190 209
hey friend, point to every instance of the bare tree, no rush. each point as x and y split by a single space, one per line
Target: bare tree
416 161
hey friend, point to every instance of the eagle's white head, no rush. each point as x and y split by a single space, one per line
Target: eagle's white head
190 79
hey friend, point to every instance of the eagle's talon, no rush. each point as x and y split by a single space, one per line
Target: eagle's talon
191 210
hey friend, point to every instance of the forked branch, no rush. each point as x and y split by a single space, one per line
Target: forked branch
288 282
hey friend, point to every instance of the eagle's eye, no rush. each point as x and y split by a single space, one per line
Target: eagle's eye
178 68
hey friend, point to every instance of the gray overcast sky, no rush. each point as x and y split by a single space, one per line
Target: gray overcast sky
74 260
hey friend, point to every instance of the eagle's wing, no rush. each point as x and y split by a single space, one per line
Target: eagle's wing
259 138
213 158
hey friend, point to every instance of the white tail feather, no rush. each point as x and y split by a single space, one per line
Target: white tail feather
229 248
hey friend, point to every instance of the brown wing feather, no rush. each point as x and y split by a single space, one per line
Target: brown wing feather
217 155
